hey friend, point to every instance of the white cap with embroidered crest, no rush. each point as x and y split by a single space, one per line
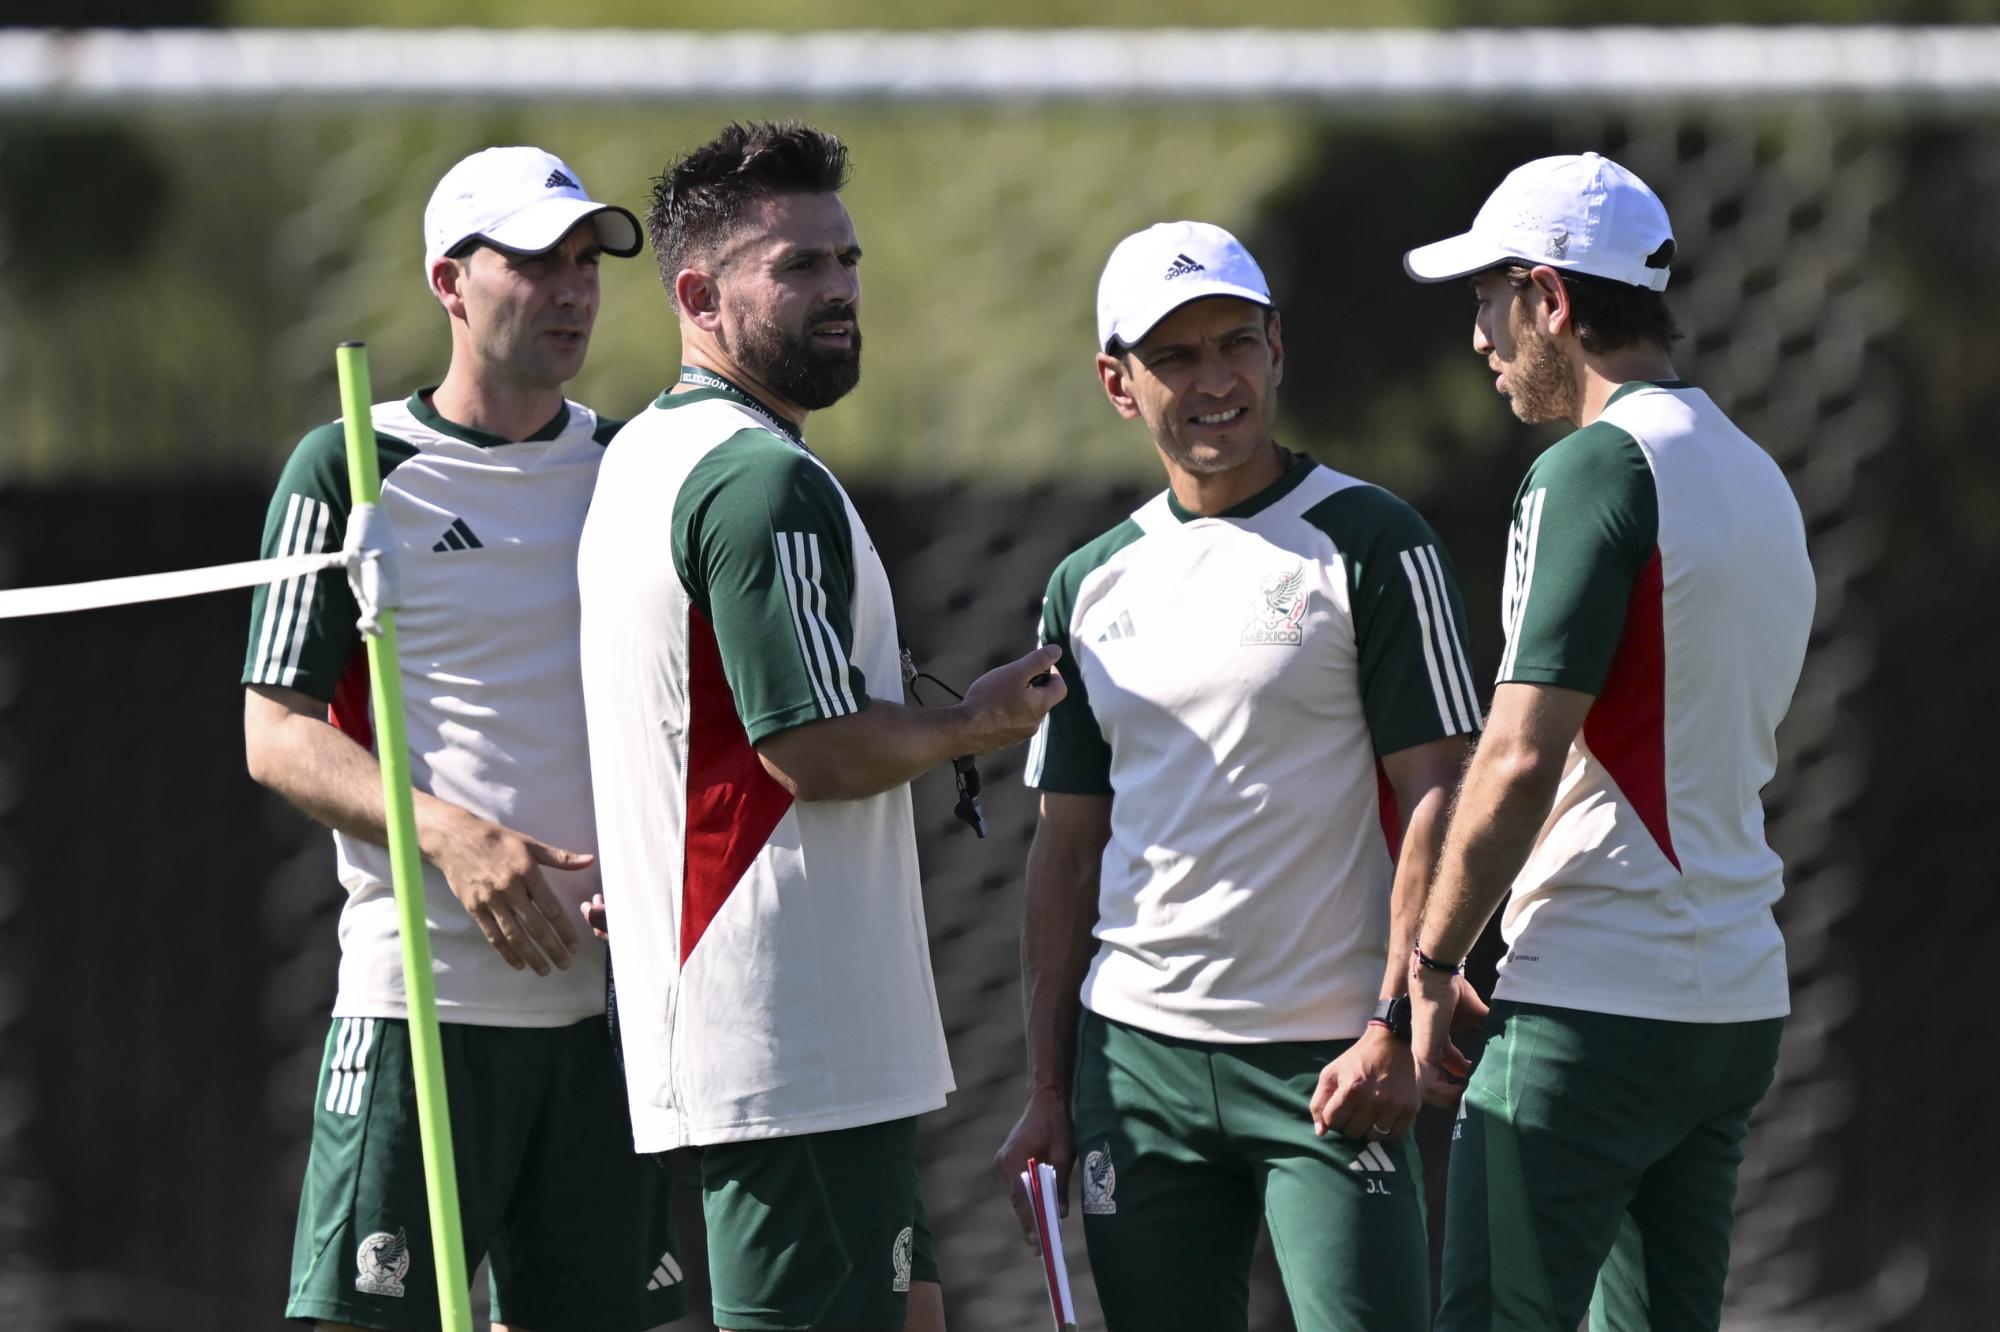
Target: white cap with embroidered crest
1155 272
518 199
1581 214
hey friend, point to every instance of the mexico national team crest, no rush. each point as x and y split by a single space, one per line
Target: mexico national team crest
381 1263
1278 610
1100 1182
899 1260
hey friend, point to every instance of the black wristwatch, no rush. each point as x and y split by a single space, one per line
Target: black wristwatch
1395 1015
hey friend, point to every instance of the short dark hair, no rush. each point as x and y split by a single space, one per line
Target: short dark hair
699 199
1608 315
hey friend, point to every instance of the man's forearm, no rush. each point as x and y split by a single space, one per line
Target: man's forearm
1501 808
1422 846
887 744
1056 948
868 752
329 777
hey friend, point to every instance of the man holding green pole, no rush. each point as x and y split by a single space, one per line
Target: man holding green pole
485 481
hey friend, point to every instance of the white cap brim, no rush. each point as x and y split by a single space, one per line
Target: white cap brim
1133 328
542 225
1460 256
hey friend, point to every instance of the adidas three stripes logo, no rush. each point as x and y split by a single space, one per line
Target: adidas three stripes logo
348 1072
1372 1160
458 537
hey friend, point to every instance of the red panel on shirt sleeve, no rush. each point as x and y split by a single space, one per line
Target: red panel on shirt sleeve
732 802
1627 725
349 711
1386 809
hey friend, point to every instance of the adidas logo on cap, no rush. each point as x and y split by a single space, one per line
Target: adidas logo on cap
558 181
1154 272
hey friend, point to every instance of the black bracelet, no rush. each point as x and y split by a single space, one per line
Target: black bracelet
1429 963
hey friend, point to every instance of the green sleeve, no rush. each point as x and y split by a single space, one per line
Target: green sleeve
1069 755
302 631
762 544
1586 523
1409 620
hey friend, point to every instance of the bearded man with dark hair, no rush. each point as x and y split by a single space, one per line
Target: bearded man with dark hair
752 755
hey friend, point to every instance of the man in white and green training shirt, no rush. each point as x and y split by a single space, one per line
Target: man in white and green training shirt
1658 604
752 759
1269 696
485 480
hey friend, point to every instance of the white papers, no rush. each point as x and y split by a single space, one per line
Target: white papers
1039 1181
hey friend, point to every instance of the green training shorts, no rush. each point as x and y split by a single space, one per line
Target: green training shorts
816 1230
574 1224
1183 1145
1593 1168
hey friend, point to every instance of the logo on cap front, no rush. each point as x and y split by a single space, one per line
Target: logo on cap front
558 181
1182 266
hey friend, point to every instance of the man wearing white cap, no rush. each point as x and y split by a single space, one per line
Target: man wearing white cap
1657 606
485 481
1269 696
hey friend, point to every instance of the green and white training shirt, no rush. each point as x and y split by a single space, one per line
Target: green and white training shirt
1233 682
773 966
1658 562
486 533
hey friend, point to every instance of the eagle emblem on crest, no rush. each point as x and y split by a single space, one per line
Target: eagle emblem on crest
1100 1183
381 1263
1278 609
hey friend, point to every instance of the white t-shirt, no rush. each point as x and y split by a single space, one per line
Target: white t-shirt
1658 562
773 966
486 533
1234 681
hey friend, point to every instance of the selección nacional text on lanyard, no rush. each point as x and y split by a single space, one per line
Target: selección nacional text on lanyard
697 377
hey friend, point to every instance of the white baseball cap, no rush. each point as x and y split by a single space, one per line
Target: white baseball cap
1155 272
519 199
1582 214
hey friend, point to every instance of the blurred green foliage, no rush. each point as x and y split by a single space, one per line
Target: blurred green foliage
268 240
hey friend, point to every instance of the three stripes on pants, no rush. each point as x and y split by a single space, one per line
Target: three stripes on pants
349 1070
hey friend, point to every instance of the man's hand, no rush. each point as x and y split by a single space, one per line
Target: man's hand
1439 1006
594 916
496 874
1045 1133
1370 1091
1006 706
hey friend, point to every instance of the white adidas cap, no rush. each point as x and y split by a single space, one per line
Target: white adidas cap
519 199
1155 272
1583 214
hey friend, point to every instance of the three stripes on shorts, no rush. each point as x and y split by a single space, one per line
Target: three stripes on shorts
349 1070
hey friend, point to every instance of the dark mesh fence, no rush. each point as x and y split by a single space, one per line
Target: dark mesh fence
167 936
166 929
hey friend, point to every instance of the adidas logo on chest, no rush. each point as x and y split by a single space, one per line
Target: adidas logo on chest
459 536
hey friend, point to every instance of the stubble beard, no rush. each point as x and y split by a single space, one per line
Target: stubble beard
791 366
1540 383
1182 452
525 361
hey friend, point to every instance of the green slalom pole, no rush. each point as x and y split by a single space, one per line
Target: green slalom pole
364 483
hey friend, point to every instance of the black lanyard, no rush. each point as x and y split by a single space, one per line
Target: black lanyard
964 773
700 378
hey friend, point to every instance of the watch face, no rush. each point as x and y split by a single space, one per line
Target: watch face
1396 1014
